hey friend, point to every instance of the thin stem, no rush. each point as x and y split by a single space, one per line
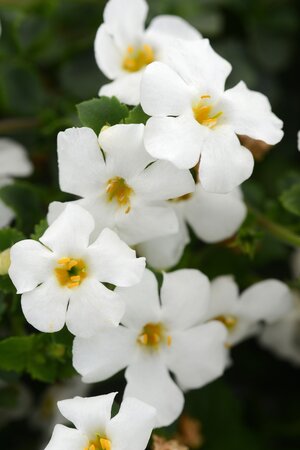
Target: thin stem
279 231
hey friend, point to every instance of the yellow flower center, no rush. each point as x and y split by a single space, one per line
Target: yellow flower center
137 58
203 112
228 320
71 272
153 335
100 443
117 189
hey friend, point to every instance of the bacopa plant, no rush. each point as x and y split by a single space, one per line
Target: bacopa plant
147 253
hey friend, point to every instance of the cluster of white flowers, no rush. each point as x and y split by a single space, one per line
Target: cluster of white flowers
135 188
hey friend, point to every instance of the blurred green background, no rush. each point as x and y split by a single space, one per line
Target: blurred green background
46 67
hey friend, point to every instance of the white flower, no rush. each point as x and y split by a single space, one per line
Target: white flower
13 163
265 301
121 189
94 429
212 217
157 337
194 116
283 337
123 48
61 277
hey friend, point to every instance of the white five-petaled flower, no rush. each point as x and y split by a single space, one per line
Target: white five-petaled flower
283 336
13 163
123 48
266 301
159 334
194 117
120 188
94 429
212 217
61 277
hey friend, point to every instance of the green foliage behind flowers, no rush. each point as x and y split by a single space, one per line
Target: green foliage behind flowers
46 68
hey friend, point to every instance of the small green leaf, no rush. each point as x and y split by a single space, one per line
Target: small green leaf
290 199
15 352
8 237
102 111
39 230
137 115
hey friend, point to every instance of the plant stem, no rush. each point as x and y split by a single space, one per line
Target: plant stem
279 231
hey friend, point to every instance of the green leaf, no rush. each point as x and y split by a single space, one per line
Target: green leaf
290 199
137 115
8 237
25 200
6 285
15 353
102 111
46 357
39 230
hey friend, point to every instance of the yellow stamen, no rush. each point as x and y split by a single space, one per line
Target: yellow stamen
203 112
153 335
136 59
71 272
105 444
117 189
228 320
99 443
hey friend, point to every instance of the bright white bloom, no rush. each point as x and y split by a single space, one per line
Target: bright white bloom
159 334
212 217
265 301
61 277
121 189
123 48
13 163
94 429
283 337
194 116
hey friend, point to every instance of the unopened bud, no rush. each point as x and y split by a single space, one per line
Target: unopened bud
4 261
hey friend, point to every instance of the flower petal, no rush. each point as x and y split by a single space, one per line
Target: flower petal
168 27
126 88
163 181
124 149
92 306
13 159
141 301
178 140
224 164
250 114
108 55
112 261
198 64
198 356
89 415
131 428
163 92
149 380
125 24
31 264
214 217
69 234
224 297
80 161
45 307
165 252
64 438
147 222
268 300
185 298
103 355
